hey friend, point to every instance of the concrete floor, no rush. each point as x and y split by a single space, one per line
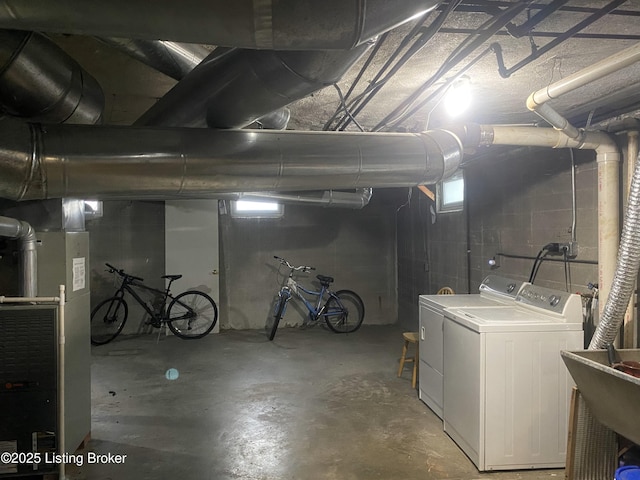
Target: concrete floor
309 405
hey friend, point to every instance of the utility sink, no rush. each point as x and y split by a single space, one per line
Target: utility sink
612 396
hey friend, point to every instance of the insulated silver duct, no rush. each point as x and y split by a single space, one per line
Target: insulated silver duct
176 60
329 198
41 83
24 233
626 271
171 58
260 81
57 161
264 24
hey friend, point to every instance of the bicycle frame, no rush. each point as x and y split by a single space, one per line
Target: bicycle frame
127 287
293 286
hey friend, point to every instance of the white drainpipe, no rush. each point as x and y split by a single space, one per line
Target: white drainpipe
608 156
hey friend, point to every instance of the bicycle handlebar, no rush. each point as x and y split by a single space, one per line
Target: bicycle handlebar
301 268
120 272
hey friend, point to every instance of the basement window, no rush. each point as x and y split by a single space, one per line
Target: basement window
450 193
252 209
92 209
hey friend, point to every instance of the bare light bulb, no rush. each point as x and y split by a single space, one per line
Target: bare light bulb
458 97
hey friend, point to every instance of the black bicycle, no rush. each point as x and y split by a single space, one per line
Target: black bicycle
190 315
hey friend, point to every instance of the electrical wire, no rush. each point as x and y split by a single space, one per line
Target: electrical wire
462 51
344 106
536 264
427 34
372 55
567 271
359 102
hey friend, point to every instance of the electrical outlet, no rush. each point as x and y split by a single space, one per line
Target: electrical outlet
571 248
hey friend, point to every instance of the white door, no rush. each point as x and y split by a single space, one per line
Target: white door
191 246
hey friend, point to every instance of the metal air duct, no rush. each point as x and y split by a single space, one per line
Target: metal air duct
174 59
41 83
329 198
12 228
265 24
235 89
101 162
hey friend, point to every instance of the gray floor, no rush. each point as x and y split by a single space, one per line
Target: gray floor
309 405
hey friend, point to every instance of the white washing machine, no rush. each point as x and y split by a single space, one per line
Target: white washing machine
494 291
506 389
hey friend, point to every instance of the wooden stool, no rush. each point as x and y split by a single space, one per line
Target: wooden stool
409 337
446 291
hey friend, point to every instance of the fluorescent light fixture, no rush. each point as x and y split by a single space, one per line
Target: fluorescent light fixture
458 96
253 209
249 206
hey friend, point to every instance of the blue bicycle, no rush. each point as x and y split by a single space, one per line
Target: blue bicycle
343 311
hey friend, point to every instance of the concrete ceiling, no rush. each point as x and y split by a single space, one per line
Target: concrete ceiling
131 87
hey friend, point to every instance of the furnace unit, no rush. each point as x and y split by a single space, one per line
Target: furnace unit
28 386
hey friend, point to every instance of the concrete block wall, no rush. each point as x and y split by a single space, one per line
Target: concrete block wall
356 247
517 202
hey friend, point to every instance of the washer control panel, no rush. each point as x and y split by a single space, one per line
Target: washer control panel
564 304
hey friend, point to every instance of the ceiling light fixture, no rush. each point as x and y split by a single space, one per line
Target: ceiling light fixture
458 96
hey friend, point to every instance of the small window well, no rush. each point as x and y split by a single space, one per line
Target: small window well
252 209
450 193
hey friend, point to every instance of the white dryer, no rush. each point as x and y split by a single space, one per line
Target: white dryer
506 389
494 291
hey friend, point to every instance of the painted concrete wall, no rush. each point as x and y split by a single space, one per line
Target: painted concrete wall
130 236
356 247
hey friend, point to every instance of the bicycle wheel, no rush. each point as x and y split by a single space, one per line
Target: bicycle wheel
281 303
192 315
108 319
344 311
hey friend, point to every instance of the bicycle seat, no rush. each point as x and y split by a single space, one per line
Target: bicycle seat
172 277
324 280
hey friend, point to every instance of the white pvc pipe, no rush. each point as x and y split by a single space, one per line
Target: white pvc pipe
608 162
583 77
608 158
630 320
61 380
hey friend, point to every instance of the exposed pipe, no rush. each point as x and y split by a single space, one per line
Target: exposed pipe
608 158
264 80
264 24
626 272
164 55
41 83
329 198
26 236
630 321
174 59
608 161
102 162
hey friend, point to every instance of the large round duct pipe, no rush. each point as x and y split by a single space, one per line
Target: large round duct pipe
121 162
41 83
264 24
174 59
329 198
260 81
24 233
